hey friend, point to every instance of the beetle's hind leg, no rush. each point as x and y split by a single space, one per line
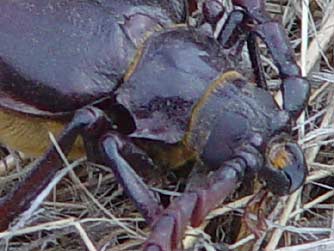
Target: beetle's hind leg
27 192
89 122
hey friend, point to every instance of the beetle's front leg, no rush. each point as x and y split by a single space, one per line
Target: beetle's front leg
193 206
295 88
233 36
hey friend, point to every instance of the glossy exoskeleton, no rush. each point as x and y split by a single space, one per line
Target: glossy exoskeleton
129 83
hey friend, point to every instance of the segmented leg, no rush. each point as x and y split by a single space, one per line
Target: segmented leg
295 88
111 147
192 207
234 34
20 199
232 31
254 55
88 122
253 19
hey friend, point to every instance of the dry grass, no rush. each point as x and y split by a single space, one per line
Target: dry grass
87 209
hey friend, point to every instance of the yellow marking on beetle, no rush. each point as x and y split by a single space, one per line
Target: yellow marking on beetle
140 50
222 80
139 53
171 156
174 156
30 134
134 63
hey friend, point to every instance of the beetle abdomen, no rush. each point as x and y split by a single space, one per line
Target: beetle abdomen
30 135
63 55
55 53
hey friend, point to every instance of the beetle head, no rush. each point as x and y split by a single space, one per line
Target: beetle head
285 167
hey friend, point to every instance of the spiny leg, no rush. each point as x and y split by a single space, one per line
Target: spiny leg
196 203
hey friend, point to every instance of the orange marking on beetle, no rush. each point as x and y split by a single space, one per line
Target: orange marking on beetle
280 158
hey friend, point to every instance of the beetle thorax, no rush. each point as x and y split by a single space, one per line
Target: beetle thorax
231 113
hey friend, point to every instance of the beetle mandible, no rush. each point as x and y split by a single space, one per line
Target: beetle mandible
133 80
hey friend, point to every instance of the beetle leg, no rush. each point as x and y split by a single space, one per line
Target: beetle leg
23 196
295 88
254 8
88 122
232 30
254 55
192 206
234 33
213 11
111 146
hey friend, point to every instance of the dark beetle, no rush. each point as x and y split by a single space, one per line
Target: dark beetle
139 85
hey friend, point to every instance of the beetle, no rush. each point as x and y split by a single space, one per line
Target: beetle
129 82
